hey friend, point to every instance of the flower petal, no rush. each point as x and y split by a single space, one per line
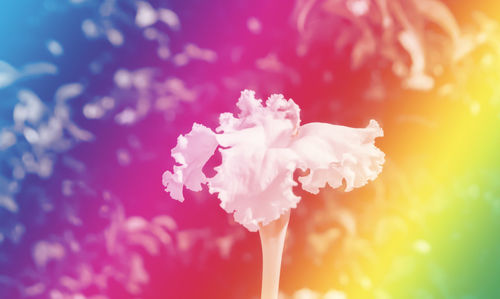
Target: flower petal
336 153
192 153
255 178
255 182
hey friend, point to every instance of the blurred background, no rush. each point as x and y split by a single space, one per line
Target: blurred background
93 95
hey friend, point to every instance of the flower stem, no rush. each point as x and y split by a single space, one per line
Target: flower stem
272 239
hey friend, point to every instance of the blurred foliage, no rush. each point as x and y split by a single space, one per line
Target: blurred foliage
85 136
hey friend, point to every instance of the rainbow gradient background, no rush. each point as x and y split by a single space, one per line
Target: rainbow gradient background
86 226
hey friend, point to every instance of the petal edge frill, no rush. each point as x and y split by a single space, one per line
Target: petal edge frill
258 190
192 153
336 153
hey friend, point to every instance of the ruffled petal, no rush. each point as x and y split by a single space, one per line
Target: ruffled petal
192 153
336 153
255 178
259 190
278 117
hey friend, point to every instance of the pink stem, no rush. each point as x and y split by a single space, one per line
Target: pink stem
272 239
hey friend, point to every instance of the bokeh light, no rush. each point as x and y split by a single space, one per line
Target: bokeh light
94 94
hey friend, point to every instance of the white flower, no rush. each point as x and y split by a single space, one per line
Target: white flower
261 148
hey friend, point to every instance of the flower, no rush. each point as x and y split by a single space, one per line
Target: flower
261 148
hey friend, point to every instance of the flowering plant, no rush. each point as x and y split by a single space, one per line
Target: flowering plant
261 148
